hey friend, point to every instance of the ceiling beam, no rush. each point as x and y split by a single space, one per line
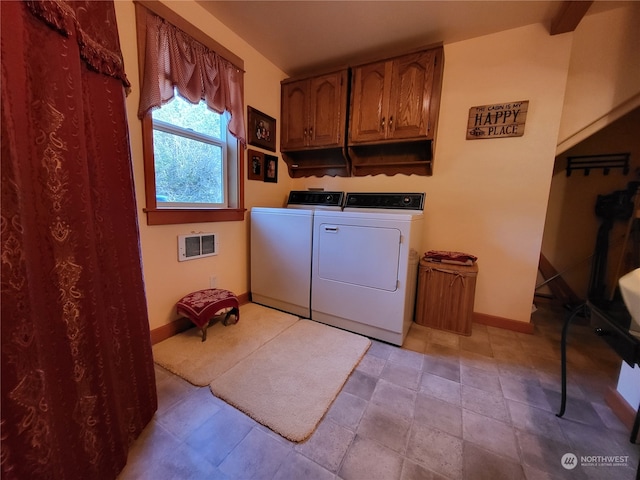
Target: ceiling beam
569 16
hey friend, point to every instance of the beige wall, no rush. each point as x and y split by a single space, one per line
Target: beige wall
489 197
601 115
604 73
486 197
166 279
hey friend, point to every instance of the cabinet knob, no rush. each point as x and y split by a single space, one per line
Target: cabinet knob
391 121
382 123
305 133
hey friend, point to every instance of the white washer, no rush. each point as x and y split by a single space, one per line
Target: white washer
281 246
365 264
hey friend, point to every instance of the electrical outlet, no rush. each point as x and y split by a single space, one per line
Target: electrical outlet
213 281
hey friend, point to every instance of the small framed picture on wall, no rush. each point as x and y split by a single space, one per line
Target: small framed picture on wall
270 168
255 165
262 129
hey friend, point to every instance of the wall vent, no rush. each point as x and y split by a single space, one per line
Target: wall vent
197 245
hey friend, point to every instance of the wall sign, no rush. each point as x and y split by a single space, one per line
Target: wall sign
497 121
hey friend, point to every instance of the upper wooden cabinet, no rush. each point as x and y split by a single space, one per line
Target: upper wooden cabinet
392 107
395 99
314 112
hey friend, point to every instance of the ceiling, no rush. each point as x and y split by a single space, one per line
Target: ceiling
301 36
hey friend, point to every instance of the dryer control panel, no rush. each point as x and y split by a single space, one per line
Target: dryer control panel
394 201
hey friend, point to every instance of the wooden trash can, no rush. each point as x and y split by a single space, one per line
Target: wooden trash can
445 296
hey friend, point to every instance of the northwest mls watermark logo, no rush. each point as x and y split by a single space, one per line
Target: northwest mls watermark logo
570 461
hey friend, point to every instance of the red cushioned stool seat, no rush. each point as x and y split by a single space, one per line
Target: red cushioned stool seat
201 306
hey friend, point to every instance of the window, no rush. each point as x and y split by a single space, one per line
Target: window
190 156
192 153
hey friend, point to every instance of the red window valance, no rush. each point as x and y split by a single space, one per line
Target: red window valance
173 59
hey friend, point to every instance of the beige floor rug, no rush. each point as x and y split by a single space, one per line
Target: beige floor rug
289 383
200 362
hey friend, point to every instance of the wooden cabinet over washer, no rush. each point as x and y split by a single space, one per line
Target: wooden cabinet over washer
393 114
314 111
396 99
374 118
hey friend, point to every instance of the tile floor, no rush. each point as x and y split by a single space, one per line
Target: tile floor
443 407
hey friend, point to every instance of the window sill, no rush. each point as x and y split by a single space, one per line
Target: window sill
166 216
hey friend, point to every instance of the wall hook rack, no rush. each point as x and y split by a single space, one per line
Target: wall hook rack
605 162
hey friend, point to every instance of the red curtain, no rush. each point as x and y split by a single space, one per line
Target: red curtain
78 382
175 59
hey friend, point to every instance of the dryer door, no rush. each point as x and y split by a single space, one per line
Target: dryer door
366 256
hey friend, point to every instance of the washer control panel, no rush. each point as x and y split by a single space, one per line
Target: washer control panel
316 197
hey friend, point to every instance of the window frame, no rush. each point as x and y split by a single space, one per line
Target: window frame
235 150
168 216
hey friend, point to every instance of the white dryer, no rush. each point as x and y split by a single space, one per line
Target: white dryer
365 264
281 246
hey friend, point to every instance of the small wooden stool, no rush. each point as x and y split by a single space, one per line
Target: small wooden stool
201 306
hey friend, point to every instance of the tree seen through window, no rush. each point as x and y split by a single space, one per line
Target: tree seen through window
189 147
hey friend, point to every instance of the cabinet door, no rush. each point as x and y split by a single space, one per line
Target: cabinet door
327 109
369 107
411 84
295 117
